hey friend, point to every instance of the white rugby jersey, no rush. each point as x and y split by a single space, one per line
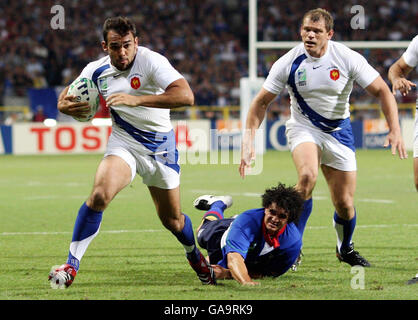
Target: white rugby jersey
411 55
320 88
150 74
411 59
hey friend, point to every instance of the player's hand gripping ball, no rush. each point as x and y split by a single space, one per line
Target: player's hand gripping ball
85 90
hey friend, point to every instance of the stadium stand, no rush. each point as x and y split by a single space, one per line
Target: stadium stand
206 40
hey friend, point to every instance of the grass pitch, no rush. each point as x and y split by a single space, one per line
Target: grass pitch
135 258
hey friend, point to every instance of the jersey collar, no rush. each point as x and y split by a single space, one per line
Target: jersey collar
272 240
314 59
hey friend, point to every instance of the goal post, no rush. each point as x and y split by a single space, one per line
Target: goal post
249 87
255 45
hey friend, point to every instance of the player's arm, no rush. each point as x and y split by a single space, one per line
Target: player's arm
255 117
238 269
397 75
221 273
177 94
67 106
379 89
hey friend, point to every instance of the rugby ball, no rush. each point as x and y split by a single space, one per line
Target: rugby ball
85 90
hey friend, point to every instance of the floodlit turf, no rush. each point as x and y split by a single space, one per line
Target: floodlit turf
135 258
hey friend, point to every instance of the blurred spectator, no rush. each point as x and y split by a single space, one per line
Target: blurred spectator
21 81
11 118
2 91
207 40
34 66
69 73
39 115
2 85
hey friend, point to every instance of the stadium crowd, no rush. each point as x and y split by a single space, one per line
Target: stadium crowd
207 41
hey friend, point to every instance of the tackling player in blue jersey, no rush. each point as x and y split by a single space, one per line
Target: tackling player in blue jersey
259 242
140 86
319 75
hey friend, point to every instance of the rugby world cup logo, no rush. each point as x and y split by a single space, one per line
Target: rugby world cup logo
301 77
135 83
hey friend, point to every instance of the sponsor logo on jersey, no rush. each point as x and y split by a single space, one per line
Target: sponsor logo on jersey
135 83
334 74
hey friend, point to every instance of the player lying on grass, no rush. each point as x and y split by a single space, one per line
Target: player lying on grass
259 242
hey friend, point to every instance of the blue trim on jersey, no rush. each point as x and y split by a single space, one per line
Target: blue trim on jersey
98 72
344 136
164 143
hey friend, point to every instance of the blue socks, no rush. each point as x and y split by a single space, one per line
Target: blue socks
216 211
186 238
86 228
345 230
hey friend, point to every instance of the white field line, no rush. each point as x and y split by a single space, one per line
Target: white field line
245 194
216 192
253 194
67 232
49 197
371 226
53 197
377 200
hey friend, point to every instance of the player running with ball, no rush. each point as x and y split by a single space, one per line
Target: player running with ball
140 86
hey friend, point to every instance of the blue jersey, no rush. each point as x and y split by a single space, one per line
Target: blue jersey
245 236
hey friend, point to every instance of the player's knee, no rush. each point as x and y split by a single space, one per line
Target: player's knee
98 200
173 224
344 205
306 183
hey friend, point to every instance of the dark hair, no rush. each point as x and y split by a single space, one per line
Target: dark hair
121 25
287 198
316 15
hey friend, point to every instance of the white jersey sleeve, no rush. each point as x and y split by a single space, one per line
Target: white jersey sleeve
361 71
91 67
279 73
161 71
411 54
87 72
